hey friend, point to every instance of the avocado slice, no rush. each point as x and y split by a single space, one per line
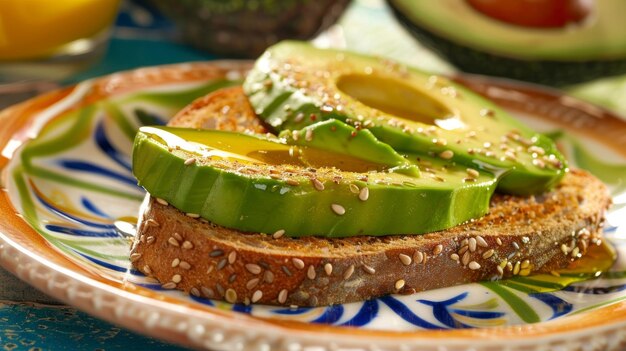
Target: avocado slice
477 43
335 136
294 84
262 184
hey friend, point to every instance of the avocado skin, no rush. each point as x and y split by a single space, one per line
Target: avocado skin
266 205
546 72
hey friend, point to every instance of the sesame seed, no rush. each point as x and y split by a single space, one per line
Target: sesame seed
488 253
338 209
292 182
256 296
253 268
348 273
354 189
252 283
500 270
555 273
472 244
208 292
308 136
190 161
503 263
177 237
474 265
185 265
498 241
524 272
418 257
187 245
152 223
311 273
525 264
192 215
220 289
161 201
282 296
317 184
231 296
516 245
146 269
472 173
216 253
537 150
286 270
447 154
169 286
221 264
134 257
173 242
399 284
328 268
175 262
298 263
438 249
268 277
232 257
465 259
364 194
463 249
564 249
195 292
516 268
509 266
150 240
454 257
279 233
368 269
177 278
405 259
575 252
481 241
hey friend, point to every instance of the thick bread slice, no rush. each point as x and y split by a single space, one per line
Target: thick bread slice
224 109
518 236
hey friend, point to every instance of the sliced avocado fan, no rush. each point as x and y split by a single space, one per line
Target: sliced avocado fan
263 184
294 84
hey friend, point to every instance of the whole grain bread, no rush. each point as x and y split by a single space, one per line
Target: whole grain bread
519 236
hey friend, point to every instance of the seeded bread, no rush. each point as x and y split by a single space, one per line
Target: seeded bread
519 236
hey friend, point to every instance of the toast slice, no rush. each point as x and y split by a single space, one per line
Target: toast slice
519 236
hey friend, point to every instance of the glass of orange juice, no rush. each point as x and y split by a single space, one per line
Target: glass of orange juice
51 39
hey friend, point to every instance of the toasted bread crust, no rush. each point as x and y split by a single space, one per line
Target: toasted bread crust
520 235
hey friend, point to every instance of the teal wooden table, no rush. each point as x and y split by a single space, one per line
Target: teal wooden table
30 320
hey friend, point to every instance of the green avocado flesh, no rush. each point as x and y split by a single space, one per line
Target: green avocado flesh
293 85
262 184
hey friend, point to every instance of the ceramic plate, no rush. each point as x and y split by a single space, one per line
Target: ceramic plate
66 179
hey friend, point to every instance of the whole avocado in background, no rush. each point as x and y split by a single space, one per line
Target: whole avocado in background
295 84
244 28
552 42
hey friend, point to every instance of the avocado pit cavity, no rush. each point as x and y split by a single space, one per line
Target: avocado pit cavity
396 98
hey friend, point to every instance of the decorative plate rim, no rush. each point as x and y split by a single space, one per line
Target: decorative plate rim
146 312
